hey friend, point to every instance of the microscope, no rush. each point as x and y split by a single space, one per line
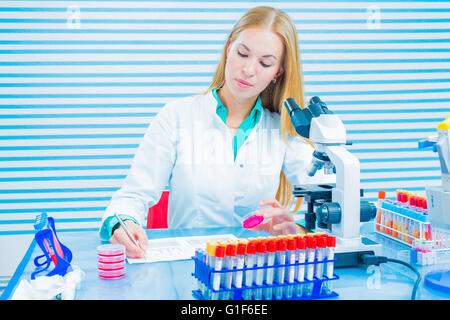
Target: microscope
337 208
438 198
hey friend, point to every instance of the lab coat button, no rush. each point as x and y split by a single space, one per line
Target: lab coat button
241 165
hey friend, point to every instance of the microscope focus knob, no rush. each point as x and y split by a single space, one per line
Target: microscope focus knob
368 211
329 213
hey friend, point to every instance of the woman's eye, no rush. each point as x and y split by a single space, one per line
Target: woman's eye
241 54
265 65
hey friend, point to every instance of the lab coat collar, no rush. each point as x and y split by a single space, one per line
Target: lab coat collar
222 111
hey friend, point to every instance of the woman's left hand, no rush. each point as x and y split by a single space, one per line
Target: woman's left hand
281 221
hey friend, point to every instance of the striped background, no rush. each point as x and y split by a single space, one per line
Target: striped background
81 80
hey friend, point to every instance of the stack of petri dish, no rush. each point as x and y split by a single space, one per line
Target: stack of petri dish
111 261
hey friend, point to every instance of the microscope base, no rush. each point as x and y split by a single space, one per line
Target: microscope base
348 256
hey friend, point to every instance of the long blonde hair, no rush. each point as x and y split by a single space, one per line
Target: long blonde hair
288 85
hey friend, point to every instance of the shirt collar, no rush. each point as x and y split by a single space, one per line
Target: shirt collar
222 111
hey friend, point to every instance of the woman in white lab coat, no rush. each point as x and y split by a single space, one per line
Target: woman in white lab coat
228 150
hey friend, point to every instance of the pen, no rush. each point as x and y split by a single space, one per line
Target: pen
126 230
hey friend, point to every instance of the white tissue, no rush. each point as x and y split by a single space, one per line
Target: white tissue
48 288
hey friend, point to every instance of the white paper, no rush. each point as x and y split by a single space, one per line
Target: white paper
177 248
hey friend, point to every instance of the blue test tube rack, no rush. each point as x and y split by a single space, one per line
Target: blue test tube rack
403 223
203 274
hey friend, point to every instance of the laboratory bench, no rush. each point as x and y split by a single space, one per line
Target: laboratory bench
174 281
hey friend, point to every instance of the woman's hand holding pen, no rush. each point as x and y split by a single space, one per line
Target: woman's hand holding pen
120 237
281 221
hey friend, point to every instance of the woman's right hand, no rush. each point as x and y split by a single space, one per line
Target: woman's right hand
120 237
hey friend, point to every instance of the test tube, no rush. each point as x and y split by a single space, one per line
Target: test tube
321 253
290 270
200 257
280 270
210 260
387 222
301 248
240 260
381 197
250 262
271 251
230 262
260 261
331 246
218 264
311 243
395 226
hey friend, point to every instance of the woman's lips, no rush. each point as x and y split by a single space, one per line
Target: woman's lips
243 84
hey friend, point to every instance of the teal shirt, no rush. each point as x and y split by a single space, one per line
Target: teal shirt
246 126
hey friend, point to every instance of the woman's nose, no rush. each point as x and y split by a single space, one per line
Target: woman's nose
249 68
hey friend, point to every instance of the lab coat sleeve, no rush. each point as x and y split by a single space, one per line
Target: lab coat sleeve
297 159
150 169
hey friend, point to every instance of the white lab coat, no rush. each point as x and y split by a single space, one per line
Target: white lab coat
188 148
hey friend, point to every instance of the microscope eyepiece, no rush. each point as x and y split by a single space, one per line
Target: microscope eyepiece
291 105
300 119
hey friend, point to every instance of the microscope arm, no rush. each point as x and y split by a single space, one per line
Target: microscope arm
347 192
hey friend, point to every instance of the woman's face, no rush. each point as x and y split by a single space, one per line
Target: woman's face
253 61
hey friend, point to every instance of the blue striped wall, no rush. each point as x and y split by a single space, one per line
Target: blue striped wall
81 80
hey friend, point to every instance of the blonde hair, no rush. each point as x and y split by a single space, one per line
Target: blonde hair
288 85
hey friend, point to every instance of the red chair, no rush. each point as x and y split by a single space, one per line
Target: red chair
157 215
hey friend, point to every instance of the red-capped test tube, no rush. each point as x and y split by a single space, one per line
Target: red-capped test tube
218 264
280 270
260 261
311 244
331 247
250 262
240 260
301 249
290 270
271 251
321 254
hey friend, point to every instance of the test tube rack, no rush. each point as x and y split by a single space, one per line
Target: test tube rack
402 224
203 274
412 228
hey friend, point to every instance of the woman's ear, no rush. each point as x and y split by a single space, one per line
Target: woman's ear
228 46
280 72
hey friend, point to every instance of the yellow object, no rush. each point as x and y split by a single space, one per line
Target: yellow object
211 248
445 125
